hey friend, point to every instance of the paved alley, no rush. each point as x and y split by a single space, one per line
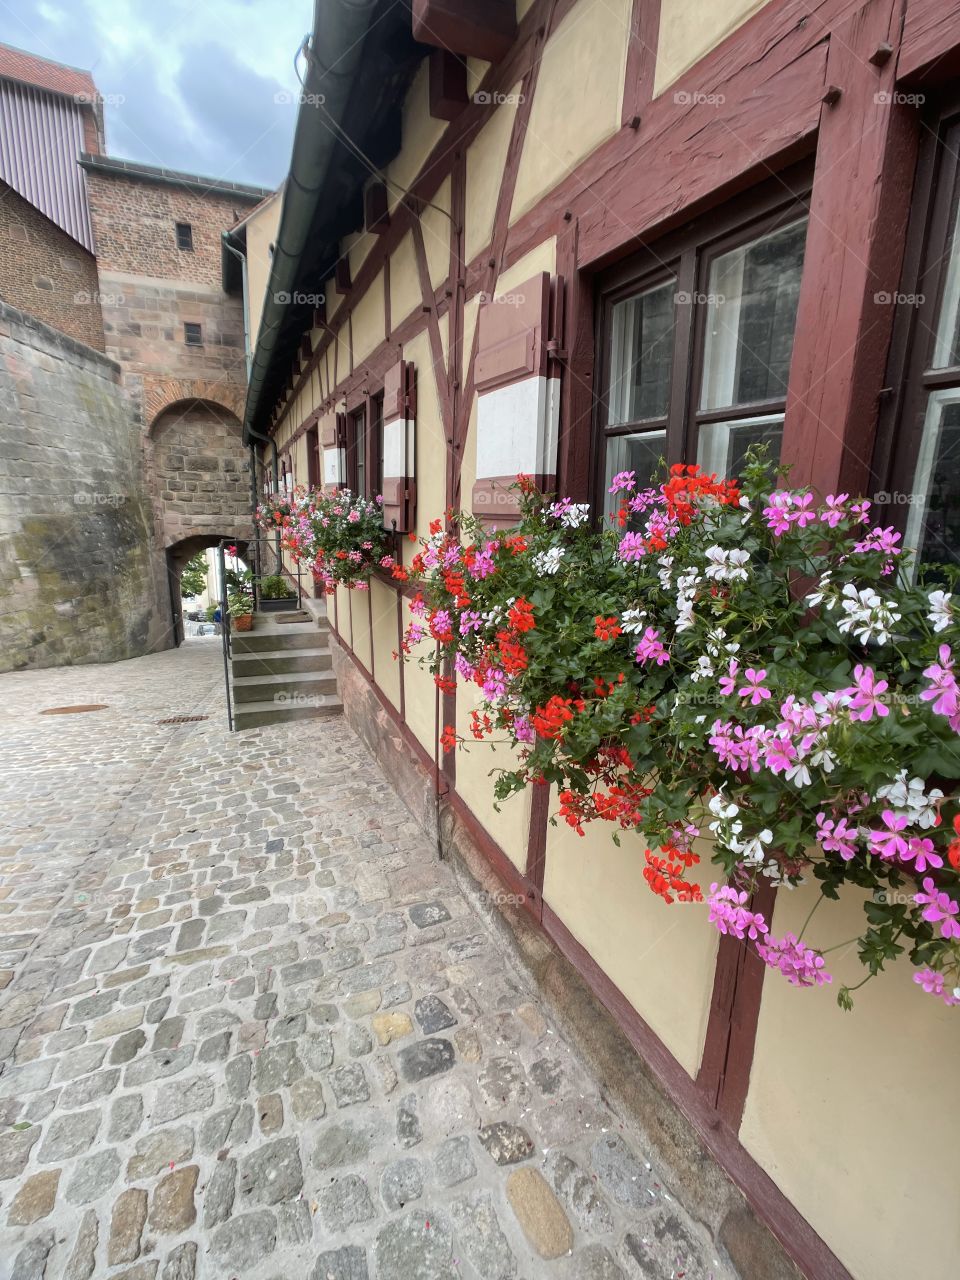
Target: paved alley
250 1027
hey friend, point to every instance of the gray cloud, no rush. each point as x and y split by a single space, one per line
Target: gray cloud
202 87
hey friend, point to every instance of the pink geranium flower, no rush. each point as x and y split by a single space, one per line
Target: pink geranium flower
890 843
754 690
866 695
650 648
939 908
800 965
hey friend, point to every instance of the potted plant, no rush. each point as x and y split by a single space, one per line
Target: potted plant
734 659
275 594
240 605
340 537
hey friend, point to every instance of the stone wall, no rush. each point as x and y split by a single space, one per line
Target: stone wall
199 474
46 273
81 578
150 288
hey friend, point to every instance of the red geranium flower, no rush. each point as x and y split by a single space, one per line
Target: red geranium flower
607 628
521 615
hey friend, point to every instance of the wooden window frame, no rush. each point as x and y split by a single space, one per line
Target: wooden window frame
686 256
367 409
910 375
375 443
356 429
184 242
314 458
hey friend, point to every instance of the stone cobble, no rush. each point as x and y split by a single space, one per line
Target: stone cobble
250 1026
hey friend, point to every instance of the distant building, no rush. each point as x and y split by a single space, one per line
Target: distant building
49 114
120 467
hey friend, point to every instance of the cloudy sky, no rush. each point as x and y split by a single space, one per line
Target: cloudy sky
202 85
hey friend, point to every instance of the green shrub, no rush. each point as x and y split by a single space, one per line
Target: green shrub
274 588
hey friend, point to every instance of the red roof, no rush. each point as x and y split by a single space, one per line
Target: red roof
44 74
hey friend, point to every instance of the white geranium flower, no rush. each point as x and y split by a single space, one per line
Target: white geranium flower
941 612
632 621
911 799
663 573
575 515
703 670
868 616
548 562
726 566
826 593
753 850
722 807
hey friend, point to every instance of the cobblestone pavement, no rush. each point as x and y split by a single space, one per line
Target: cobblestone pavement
249 1026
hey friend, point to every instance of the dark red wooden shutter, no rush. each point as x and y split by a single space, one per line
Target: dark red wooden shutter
518 396
399 447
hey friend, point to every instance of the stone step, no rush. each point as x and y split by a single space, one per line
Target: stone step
276 662
251 715
301 635
290 687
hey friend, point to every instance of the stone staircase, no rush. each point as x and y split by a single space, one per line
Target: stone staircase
282 670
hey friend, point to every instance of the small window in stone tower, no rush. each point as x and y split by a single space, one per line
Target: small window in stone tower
184 235
192 334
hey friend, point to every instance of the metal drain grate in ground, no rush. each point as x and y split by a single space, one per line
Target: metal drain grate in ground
74 711
182 719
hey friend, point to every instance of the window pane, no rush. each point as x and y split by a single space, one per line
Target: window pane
638 453
946 351
751 315
933 525
723 446
641 355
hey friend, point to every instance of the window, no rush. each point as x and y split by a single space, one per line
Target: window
365 448
696 340
376 445
314 470
184 235
357 451
918 442
192 334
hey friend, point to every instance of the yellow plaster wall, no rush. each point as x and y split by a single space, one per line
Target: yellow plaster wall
367 321
486 157
578 96
405 293
421 133
845 1110
360 615
476 70
436 234
691 28
510 828
385 640
419 694
541 258
261 233
332 298
431 447
343 614
662 957
358 246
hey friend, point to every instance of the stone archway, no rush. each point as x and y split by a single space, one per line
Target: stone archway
199 473
160 394
179 553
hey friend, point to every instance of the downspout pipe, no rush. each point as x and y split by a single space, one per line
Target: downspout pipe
231 247
333 57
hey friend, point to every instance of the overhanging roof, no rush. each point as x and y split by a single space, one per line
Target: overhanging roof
361 62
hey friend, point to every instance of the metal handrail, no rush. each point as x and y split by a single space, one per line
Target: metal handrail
225 627
253 554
